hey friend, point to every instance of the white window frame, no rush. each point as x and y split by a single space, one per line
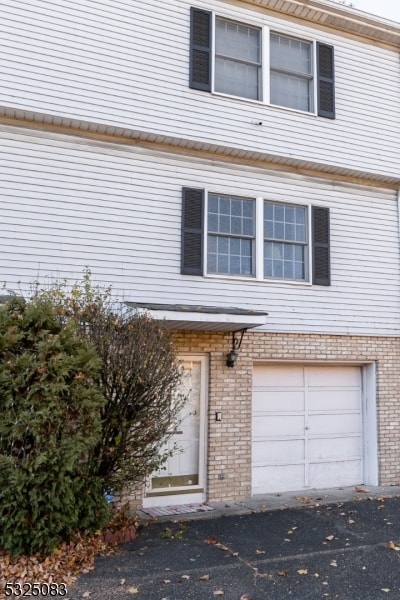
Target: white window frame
265 64
259 240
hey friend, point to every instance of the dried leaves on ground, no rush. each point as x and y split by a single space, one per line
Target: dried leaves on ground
66 562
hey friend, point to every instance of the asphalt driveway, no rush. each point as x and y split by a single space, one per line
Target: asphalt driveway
337 551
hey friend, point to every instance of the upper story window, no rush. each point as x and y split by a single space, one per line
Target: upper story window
229 57
237 59
254 237
291 79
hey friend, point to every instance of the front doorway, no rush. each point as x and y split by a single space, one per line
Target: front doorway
182 480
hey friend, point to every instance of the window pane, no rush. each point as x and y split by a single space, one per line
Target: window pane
237 79
212 222
291 91
288 269
224 224
236 208
279 231
290 54
223 245
290 232
248 208
236 40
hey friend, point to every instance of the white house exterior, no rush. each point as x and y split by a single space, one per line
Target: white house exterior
227 166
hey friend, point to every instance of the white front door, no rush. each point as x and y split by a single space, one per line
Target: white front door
307 427
182 480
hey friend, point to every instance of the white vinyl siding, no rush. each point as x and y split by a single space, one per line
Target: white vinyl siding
126 65
68 203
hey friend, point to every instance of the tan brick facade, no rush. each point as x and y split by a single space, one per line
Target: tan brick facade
230 392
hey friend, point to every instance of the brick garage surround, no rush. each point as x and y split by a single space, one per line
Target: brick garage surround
230 392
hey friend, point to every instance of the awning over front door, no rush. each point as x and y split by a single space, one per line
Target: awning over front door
202 318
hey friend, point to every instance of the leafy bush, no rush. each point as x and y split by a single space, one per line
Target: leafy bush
139 378
50 405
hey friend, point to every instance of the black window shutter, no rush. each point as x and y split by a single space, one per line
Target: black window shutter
200 49
192 231
320 246
326 81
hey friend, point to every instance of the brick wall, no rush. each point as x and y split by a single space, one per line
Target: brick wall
230 392
229 441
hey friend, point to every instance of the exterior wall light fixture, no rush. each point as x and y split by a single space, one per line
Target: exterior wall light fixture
237 337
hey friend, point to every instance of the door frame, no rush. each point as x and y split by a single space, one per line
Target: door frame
184 495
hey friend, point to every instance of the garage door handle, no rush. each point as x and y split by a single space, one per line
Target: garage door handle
306 428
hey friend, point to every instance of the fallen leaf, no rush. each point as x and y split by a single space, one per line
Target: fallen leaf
166 581
235 553
330 538
283 573
219 593
316 574
133 590
361 490
86 594
260 551
290 532
351 522
393 546
333 563
302 571
185 577
211 540
204 577
222 547
122 581
245 597
385 590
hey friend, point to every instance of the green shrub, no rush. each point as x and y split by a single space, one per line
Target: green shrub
50 406
139 378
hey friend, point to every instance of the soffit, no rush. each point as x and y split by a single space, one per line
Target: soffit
336 16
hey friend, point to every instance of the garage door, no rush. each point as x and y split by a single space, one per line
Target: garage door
307 427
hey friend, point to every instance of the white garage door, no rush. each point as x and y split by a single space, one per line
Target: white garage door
307 427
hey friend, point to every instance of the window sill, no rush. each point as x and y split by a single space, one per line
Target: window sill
255 280
261 103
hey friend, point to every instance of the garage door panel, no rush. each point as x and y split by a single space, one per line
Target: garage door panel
334 448
287 425
331 376
278 375
282 478
337 399
334 424
342 473
278 401
307 427
278 451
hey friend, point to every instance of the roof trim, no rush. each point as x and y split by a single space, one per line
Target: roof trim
117 134
337 16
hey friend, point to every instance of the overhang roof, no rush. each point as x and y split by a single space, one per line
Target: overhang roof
201 318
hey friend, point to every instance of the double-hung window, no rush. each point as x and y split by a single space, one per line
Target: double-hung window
227 57
230 235
237 59
254 237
